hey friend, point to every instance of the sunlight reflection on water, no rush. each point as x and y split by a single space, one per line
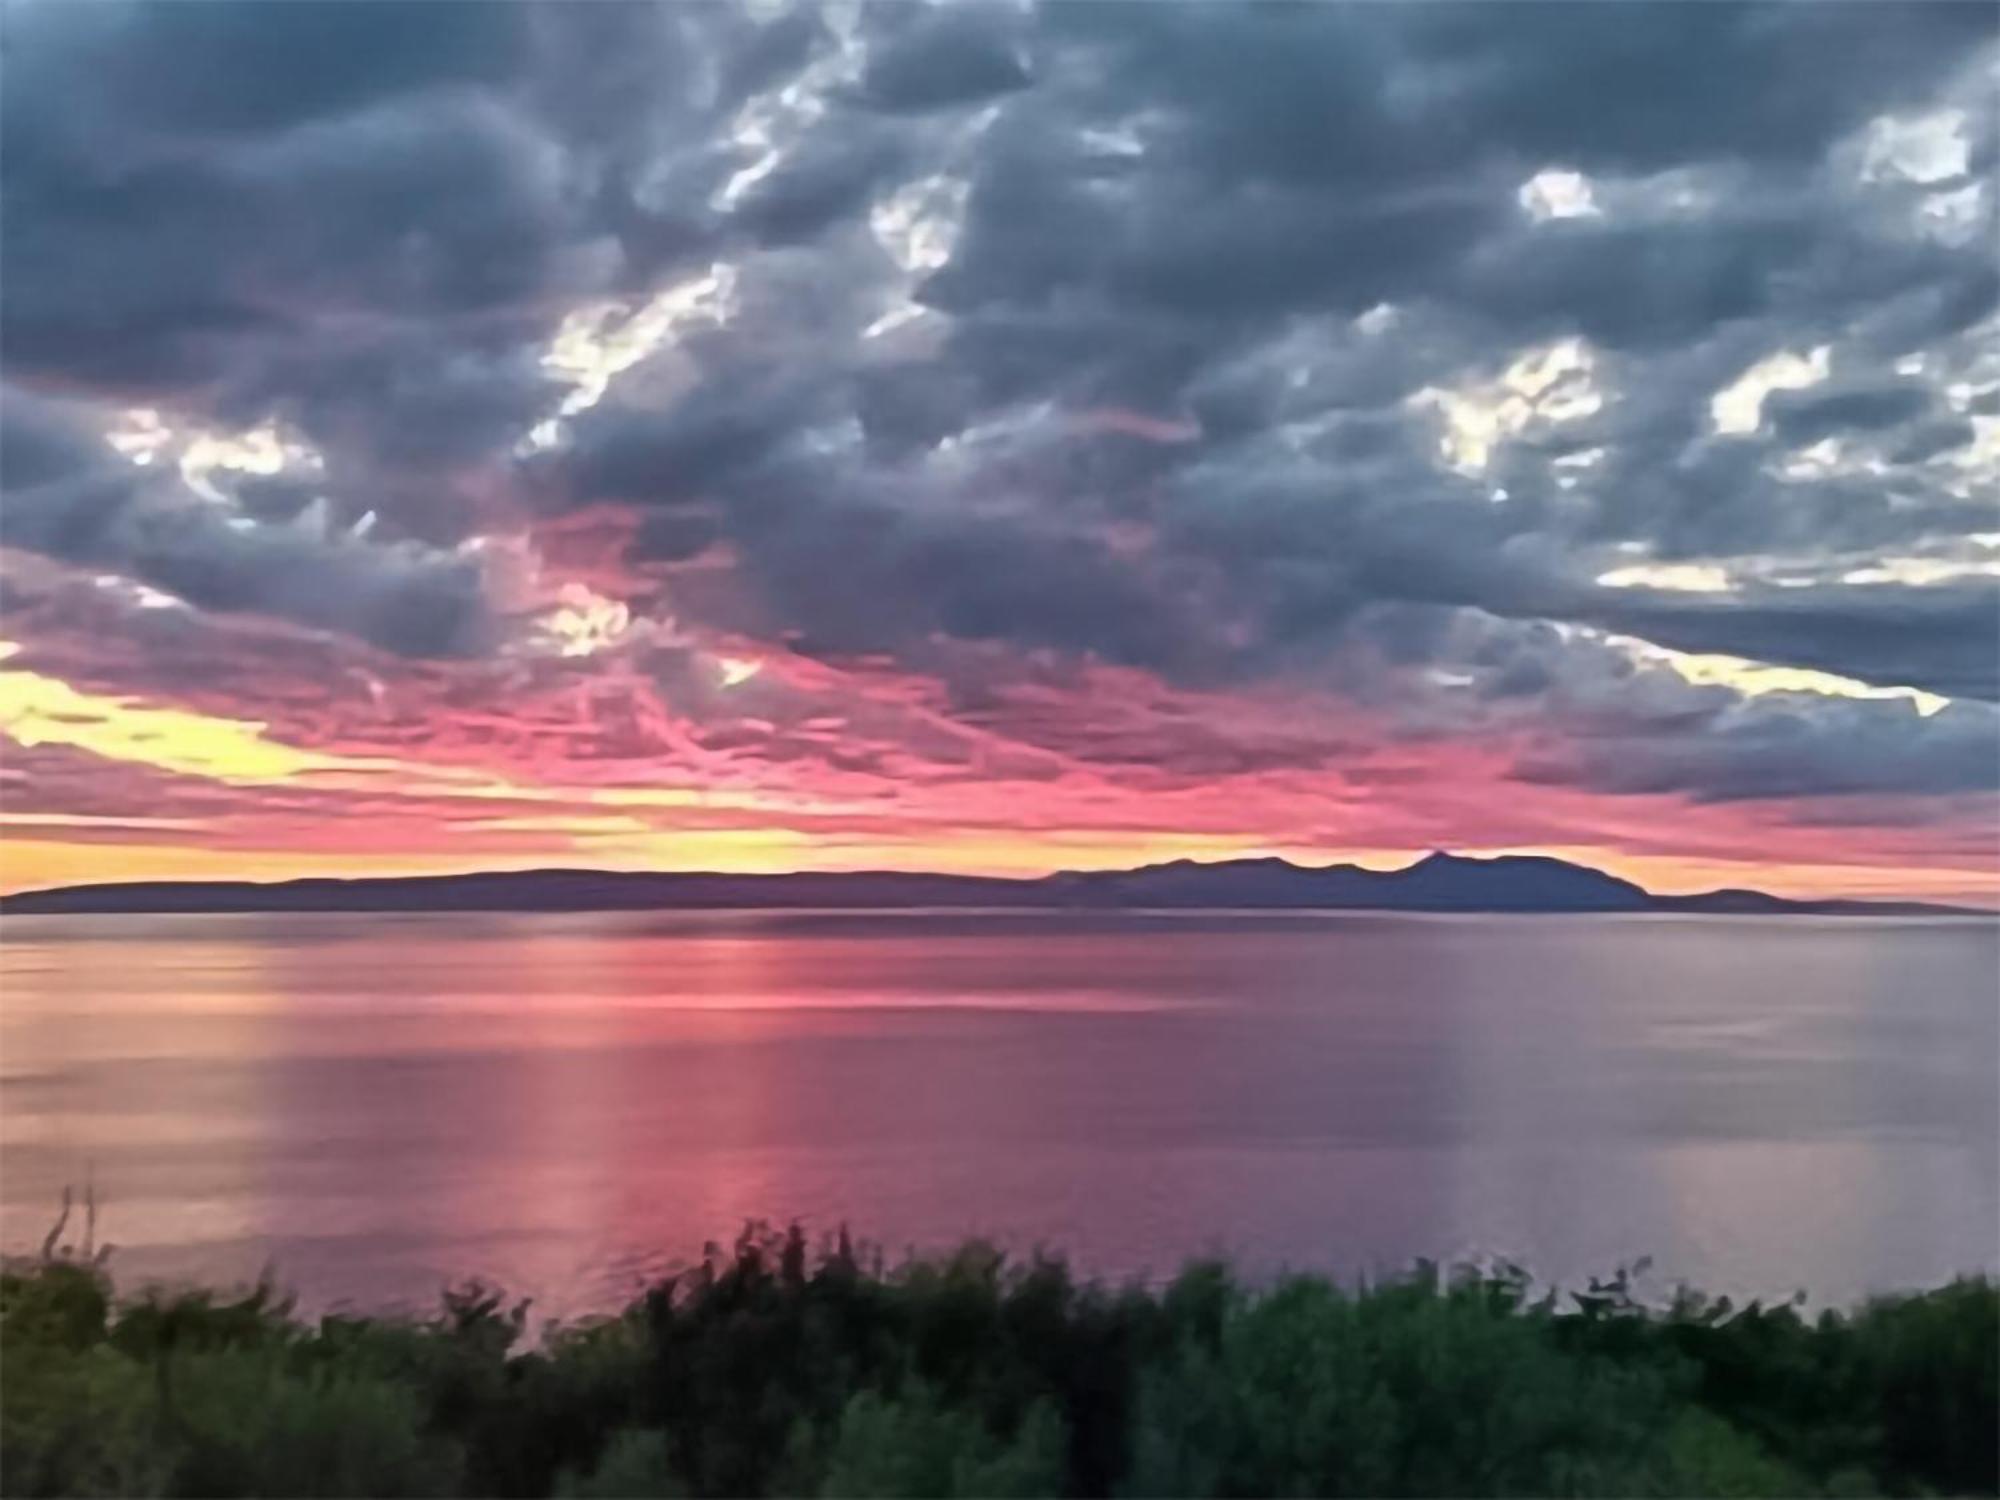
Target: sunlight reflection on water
568 1104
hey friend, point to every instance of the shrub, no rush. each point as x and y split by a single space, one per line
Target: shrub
773 1369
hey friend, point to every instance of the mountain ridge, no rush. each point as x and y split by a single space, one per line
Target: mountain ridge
1438 882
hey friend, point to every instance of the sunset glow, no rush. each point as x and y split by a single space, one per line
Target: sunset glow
992 444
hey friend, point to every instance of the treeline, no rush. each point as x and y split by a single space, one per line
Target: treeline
777 1369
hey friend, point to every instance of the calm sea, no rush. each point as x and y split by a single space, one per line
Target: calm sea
570 1104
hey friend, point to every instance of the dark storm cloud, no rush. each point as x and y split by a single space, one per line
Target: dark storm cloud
177 270
1940 638
61 490
67 496
1773 748
403 599
398 403
1805 417
870 579
1317 90
1191 337
823 182
46 441
691 452
278 200
1613 716
1640 285
946 55
1399 126
1929 440
243 66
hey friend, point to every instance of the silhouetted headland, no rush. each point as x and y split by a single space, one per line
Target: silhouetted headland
1437 883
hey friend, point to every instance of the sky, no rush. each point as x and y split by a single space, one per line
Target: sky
1000 438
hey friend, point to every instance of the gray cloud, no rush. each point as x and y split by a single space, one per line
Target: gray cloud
69 497
1203 338
947 56
1805 417
1592 710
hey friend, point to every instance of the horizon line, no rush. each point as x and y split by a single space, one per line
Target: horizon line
960 878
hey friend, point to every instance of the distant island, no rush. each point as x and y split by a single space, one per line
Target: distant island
1436 883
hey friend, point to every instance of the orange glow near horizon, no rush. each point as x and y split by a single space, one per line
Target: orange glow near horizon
34 863
176 791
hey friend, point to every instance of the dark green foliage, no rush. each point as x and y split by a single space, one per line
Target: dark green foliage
262 1423
774 1369
916 1446
636 1461
1415 1388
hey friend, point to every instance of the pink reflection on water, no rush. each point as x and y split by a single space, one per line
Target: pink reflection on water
570 1104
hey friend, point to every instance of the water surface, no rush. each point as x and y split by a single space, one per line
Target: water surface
567 1104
